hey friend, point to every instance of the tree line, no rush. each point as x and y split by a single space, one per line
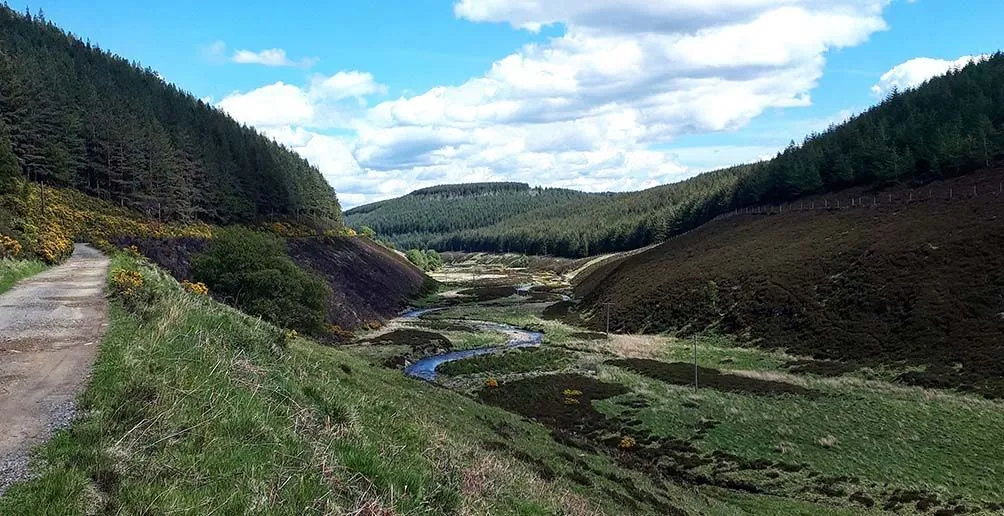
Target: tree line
74 115
949 126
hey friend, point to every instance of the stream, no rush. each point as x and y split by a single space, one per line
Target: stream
518 338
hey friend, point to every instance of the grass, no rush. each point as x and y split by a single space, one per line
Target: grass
194 408
514 361
877 432
14 270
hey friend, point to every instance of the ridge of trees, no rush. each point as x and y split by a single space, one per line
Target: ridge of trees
77 116
450 208
949 126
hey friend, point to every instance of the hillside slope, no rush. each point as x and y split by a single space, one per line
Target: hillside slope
73 115
912 281
368 282
948 127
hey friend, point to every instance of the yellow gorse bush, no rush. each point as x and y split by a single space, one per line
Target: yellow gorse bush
492 383
9 247
571 392
48 229
198 288
126 283
627 443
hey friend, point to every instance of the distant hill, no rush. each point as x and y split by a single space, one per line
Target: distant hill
948 127
425 217
76 116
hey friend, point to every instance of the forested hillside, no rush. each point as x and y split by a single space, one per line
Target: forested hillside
426 215
950 126
73 115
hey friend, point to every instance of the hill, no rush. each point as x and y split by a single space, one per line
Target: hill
425 217
73 115
909 282
950 126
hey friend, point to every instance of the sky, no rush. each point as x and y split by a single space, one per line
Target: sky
385 97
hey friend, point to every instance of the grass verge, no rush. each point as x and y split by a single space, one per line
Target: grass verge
13 270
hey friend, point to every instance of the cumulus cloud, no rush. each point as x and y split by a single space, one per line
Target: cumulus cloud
917 71
321 104
277 104
271 57
590 108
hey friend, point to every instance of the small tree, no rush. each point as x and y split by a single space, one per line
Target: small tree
432 260
367 232
417 257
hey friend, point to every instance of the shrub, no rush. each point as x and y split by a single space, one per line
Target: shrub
126 283
137 295
417 258
627 443
197 288
9 248
251 271
491 383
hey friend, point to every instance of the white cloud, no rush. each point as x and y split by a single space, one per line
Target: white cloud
271 57
346 84
277 104
917 71
328 102
589 109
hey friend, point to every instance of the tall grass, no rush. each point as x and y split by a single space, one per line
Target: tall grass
13 270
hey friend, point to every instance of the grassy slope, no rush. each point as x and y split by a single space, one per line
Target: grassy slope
12 271
195 408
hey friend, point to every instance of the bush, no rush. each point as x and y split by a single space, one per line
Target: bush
428 260
9 248
417 258
198 288
137 295
253 272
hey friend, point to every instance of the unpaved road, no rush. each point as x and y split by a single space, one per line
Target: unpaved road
50 327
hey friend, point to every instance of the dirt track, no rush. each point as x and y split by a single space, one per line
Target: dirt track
50 327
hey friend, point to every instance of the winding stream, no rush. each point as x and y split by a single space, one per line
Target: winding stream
518 338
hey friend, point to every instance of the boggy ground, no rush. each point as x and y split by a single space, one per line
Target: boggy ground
798 434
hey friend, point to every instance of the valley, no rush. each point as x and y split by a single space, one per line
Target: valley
852 439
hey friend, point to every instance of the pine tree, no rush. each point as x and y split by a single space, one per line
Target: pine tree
10 170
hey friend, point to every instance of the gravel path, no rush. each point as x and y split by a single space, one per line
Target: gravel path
50 327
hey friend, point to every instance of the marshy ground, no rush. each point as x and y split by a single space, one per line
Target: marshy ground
761 424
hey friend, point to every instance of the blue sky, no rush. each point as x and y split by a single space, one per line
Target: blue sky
386 97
